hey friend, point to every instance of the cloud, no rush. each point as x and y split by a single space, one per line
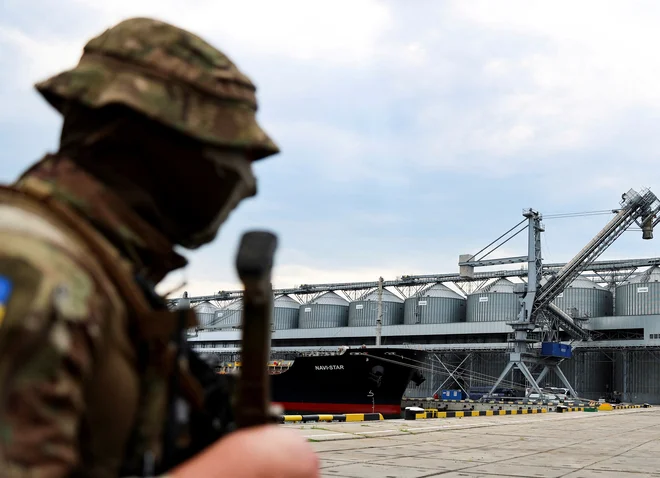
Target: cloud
485 90
284 276
339 31
508 85
40 56
28 59
409 133
304 32
347 156
291 275
594 61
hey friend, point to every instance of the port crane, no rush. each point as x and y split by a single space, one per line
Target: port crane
539 320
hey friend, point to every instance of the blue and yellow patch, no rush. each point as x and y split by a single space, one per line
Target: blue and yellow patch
6 287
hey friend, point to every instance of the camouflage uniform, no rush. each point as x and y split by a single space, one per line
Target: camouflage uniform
77 397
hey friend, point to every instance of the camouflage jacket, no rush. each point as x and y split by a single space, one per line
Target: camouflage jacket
76 399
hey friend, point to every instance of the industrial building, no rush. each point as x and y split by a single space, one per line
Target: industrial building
607 311
469 336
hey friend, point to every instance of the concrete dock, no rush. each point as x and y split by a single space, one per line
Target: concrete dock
621 443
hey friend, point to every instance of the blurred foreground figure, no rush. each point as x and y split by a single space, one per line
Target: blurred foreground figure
156 150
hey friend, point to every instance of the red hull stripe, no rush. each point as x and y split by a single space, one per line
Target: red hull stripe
339 407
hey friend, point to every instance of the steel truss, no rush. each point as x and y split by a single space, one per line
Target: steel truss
537 312
608 272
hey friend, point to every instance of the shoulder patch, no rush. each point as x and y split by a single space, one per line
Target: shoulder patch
19 283
6 286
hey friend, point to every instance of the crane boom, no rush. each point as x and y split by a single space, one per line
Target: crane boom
537 310
567 323
634 206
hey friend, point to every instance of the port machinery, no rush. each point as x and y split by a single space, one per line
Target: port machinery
610 271
539 321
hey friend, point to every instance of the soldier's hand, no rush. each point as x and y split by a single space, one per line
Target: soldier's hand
265 451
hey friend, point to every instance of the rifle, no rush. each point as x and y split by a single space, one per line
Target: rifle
254 263
229 403
200 426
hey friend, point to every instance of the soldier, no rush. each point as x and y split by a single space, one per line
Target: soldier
156 150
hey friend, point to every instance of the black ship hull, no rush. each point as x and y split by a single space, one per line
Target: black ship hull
360 380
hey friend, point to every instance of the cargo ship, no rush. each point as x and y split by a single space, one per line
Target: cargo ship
351 380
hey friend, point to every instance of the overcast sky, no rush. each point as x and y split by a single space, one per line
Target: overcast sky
411 131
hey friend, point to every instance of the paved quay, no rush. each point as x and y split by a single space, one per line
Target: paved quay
623 444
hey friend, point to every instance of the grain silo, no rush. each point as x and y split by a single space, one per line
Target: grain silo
328 310
584 298
364 312
230 316
285 313
437 304
640 295
494 303
205 313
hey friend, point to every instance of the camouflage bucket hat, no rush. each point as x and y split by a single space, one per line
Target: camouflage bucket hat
170 76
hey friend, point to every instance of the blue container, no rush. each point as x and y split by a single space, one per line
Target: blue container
452 395
550 349
556 349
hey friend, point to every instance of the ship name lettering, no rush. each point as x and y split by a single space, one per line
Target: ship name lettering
329 367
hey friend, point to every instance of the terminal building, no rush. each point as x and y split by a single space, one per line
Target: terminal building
481 329
467 335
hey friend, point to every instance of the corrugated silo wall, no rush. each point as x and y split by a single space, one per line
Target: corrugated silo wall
205 319
593 374
285 318
586 302
638 299
365 312
314 316
597 374
433 310
637 375
434 374
485 367
492 307
228 318
589 372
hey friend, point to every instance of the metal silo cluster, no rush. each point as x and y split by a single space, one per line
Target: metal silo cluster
285 313
230 316
205 313
437 304
640 295
494 303
364 312
584 298
327 310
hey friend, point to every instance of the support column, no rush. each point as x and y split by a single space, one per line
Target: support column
379 319
564 380
625 377
530 378
451 374
508 367
543 373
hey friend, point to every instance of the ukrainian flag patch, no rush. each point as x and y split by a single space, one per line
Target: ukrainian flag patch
6 287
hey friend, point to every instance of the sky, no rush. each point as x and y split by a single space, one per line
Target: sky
411 132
